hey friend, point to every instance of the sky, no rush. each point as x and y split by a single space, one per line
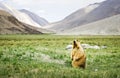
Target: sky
51 10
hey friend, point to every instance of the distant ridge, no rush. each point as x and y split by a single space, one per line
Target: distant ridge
107 26
13 21
89 14
41 21
10 25
22 16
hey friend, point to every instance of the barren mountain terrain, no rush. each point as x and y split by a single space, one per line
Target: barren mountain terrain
92 13
108 26
10 25
41 21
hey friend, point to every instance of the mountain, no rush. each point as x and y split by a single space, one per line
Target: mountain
107 26
89 14
23 17
10 25
41 21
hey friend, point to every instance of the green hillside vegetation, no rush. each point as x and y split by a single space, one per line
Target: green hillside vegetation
45 56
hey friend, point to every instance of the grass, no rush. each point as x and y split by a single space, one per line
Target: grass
44 56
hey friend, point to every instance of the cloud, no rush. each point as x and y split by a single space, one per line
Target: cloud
41 11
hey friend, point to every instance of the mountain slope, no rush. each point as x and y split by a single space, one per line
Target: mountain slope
41 21
107 26
87 15
10 25
19 15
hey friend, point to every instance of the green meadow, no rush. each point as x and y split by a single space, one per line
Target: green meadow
45 56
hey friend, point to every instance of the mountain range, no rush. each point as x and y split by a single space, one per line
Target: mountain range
13 21
107 26
39 20
90 14
10 25
95 19
24 16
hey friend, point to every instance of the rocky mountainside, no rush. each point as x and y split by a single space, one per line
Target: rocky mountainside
89 14
107 26
23 17
10 25
41 21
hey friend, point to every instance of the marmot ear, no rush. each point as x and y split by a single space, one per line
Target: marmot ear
74 44
74 41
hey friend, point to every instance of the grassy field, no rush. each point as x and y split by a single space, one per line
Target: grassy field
45 56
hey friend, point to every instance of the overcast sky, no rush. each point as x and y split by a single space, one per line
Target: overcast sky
51 10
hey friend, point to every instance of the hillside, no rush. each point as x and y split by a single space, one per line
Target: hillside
108 26
89 14
23 17
39 20
10 25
